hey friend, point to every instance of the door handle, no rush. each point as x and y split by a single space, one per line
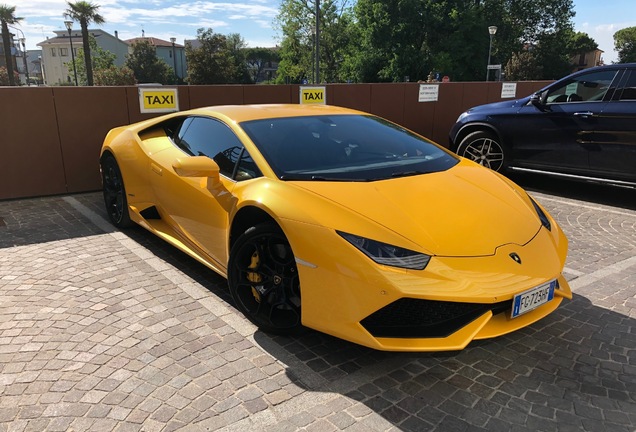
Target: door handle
156 168
584 115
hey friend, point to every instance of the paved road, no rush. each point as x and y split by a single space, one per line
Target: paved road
109 330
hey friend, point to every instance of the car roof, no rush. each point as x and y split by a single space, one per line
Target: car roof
241 113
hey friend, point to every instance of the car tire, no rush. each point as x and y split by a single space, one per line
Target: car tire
114 193
264 282
485 149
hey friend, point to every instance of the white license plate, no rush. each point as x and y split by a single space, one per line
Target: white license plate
531 299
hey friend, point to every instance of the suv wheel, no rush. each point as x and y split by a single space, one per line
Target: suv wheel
485 149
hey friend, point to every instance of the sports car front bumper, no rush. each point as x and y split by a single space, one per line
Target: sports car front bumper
444 307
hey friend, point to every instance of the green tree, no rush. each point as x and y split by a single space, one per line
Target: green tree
413 37
210 62
581 43
410 38
523 66
542 25
115 76
297 21
147 67
7 16
625 44
257 60
85 13
100 59
236 48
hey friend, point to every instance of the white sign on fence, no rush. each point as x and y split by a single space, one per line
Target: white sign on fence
508 90
428 93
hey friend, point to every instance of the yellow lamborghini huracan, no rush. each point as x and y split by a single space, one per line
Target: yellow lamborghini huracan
340 221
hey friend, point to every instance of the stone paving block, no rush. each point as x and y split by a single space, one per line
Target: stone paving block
90 310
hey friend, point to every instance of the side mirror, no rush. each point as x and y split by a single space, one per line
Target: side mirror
196 166
538 101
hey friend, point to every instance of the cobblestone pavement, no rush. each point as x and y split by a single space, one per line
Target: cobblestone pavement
108 330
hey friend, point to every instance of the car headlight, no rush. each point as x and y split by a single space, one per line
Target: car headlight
542 216
386 254
461 116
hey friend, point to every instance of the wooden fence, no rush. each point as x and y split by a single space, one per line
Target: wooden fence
50 137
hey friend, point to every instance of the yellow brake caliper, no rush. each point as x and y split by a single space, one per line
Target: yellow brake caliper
254 277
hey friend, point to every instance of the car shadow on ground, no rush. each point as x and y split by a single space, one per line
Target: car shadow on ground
573 370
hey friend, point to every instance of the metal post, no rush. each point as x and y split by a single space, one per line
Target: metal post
69 27
24 59
317 42
491 30
174 59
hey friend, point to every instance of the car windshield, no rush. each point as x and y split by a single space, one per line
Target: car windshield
344 148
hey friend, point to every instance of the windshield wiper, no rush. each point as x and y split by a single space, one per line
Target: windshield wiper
338 179
321 178
407 173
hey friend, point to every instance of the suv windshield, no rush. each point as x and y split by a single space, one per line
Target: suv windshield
344 148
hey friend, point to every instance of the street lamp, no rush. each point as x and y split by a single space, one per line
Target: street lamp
491 30
24 59
174 58
317 42
69 27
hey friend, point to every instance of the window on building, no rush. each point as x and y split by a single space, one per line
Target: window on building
53 52
64 52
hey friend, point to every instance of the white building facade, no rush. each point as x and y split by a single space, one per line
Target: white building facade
56 52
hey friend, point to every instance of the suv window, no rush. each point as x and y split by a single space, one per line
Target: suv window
629 90
200 136
583 88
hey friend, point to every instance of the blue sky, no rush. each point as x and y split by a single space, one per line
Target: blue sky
254 19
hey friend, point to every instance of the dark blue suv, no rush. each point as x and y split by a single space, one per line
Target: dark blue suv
582 126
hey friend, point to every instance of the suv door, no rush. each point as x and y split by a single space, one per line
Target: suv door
555 133
613 152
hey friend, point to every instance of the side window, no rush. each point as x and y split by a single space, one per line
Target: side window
200 136
583 88
629 90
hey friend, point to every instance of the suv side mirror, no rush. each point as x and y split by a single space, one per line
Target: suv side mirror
538 100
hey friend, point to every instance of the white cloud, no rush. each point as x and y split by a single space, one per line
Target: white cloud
603 34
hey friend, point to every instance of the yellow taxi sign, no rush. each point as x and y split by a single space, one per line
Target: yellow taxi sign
313 95
155 100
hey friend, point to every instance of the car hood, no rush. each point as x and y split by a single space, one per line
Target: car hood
497 106
465 211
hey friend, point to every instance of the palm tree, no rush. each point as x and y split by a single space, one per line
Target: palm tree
7 17
85 12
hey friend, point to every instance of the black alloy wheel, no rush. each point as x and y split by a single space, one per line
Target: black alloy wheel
114 193
485 149
263 280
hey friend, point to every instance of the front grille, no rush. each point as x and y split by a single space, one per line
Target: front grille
416 318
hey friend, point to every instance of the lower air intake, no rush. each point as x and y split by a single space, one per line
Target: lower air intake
416 318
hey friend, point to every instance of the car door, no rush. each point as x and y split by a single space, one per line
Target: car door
555 133
613 152
196 207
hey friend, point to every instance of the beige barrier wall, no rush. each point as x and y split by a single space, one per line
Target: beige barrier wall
50 137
